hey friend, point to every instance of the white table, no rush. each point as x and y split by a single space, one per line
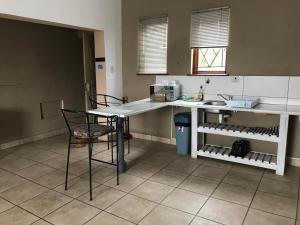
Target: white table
145 105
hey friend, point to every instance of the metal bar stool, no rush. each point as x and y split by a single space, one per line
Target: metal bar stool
85 127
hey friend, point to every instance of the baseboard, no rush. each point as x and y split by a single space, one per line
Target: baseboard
290 160
32 139
151 138
293 161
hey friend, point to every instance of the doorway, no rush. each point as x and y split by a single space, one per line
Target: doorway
88 66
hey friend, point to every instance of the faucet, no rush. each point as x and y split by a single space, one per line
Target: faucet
225 97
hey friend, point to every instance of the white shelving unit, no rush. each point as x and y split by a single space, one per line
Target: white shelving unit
236 131
270 161
252 158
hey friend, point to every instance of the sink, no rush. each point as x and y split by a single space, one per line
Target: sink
214 103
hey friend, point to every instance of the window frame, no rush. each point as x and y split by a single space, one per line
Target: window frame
195 51
195 64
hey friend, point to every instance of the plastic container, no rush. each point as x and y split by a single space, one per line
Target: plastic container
183 133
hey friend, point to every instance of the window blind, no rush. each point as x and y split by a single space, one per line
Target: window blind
210 28
152 45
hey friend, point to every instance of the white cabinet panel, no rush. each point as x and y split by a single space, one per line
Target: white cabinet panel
266 86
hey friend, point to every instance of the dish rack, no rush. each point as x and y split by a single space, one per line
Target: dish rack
242 102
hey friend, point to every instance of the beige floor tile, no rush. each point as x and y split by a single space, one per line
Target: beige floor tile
158 161
142 170
10 180
101 175
59 162
199 185
41 222
223 212
255 217
45 203
242 179
105 218
291 174
17 216
35 171
76 187
23 192
185 201
152 191
42 156
183 166
80 167
298 222
5 205
126 183
275 204
17 164
9 159
202 221
218 163
169 177
3 172
235 194
131 208
79 153
53 179
210 172
248 169
73 213
163 215
286 189
103 197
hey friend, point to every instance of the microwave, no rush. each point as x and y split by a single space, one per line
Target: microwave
165 92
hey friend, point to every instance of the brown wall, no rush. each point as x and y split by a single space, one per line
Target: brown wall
264 40
38 63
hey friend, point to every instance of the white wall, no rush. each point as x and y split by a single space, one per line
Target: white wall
82 14
269 89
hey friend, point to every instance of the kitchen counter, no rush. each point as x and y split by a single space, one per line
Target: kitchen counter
145 105
275 162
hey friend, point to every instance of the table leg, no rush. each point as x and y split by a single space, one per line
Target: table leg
281 152
194 130
120 144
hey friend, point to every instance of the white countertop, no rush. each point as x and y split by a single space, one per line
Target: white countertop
145 105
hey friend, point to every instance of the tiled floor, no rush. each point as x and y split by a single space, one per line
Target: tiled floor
159 188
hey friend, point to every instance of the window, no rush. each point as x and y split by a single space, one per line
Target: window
209 41
152 45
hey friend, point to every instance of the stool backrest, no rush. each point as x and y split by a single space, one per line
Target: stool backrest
104 100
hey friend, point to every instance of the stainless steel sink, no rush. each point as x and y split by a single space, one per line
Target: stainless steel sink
214 103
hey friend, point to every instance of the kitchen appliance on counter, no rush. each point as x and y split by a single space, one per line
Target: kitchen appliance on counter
165 92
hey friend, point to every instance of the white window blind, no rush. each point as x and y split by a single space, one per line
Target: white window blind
152 45
210 28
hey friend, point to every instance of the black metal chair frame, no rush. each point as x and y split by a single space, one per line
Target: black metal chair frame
90 140
108 101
